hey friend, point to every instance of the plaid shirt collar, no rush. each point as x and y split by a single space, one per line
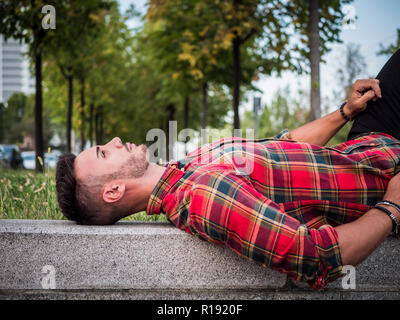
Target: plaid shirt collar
170 177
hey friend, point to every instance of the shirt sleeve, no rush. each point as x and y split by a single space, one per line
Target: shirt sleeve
226 209
283 135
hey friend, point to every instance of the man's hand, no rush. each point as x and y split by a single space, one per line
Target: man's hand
362 92
393 193
393 190
320 131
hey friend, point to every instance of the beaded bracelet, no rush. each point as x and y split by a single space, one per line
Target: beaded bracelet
346 117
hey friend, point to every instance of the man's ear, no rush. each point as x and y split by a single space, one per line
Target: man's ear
113 191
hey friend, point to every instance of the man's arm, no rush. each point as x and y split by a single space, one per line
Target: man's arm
358 239
320 131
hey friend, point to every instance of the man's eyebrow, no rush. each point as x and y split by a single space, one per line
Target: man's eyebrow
97 152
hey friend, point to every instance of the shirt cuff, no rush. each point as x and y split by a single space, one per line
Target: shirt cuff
283 135
330 267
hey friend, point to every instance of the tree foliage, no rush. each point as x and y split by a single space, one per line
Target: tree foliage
349 69
390 49
22 20
18 120
317 24
191 61
330 26
283 112
217 41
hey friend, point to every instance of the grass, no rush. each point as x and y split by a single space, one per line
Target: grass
29 195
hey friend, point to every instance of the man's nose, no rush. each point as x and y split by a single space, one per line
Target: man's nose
117 142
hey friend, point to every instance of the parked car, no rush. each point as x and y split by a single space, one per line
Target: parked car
12 154
50 159
3 160
28 159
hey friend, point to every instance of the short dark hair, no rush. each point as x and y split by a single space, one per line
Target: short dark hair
77 201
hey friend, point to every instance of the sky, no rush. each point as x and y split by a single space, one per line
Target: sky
377 22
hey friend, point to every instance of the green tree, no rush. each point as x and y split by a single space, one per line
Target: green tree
79 25
22 20
11 118
181 34
174 74
350 68
318 24
19 118
103 69
390 49
284 112
217 40
27 123
111 79
257 32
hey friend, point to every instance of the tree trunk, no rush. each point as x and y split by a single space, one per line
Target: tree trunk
99 123
96 125
186 112
236 81
205 105
38 113
82 111
314 45
170 108
91 110
186 118
69 111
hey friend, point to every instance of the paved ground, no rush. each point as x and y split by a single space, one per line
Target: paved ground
42 259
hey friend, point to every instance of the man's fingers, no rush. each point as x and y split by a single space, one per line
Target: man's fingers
362 92
367 96
362 85
377 90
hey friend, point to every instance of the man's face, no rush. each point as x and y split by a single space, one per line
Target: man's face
124 160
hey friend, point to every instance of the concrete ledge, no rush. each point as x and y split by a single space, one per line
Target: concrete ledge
151 260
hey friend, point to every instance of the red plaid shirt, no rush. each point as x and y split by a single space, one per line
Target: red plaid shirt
276 201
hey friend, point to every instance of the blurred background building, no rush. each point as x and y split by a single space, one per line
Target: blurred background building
15 75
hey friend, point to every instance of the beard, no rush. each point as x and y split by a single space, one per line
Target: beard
136 165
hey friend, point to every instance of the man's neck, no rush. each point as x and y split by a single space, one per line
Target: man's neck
142 188
152 176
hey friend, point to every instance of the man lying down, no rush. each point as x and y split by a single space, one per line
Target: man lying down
304 209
